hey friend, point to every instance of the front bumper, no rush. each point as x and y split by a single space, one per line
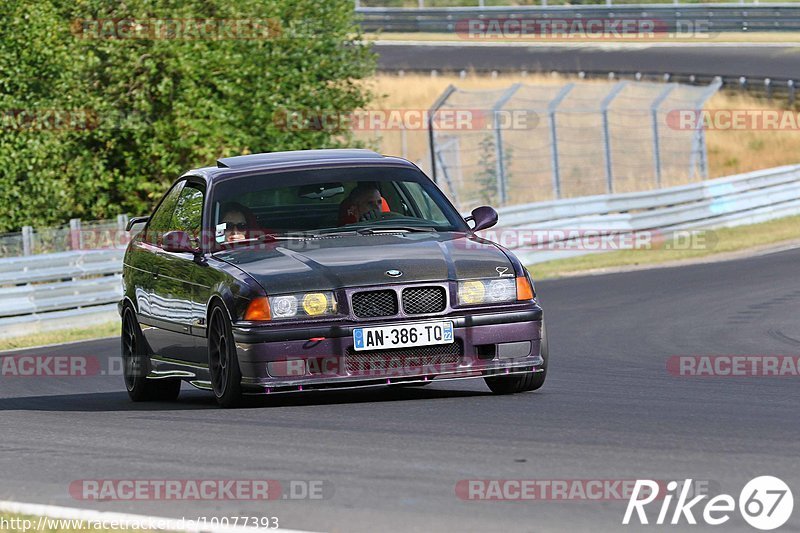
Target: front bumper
320 356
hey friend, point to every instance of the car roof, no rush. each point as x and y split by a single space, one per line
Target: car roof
246 164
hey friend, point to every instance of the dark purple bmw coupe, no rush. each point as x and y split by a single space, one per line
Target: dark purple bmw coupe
321 269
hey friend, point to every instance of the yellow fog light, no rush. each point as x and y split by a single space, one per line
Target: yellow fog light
471 292
315 303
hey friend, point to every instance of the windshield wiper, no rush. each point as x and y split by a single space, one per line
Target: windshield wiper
373 230
267 237
394 229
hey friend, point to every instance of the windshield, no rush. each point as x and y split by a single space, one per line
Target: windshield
327 201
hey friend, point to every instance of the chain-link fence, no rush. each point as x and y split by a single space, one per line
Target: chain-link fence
531 143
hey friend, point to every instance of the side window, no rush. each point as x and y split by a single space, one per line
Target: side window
188 215
161 220
425 205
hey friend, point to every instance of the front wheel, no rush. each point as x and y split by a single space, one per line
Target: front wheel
136 366
528 381
223 365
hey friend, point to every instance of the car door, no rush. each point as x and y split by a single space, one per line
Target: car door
146 261
172 305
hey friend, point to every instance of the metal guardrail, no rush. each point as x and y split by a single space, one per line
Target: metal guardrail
71 289
723 202
481 4
78 235
65 289
671 17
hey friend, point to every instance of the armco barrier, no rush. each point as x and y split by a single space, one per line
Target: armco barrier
70 289
65 289
742 199
772 17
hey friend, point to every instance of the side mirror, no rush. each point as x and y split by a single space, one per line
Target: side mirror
136 220
484 217
178 242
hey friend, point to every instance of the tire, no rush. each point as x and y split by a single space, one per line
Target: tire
223 365
136 366
529 381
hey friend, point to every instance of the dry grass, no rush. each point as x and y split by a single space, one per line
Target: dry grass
720 241
729 151
58 336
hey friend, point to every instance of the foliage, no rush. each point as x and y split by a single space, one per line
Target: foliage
488 176
140 111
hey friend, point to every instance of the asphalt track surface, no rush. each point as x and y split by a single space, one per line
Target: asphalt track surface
729 60
609 410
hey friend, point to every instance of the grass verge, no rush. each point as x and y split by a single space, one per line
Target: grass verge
716 242
108 329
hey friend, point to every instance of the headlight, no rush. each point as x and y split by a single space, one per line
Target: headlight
302 305
487 291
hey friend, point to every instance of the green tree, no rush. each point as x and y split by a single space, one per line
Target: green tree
161 106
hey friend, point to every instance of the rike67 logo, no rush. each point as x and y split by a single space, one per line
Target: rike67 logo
765 503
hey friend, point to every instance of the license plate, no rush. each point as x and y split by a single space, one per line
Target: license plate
403 335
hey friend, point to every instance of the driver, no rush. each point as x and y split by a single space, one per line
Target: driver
238 219
364 203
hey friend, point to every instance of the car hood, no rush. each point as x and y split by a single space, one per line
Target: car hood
340 261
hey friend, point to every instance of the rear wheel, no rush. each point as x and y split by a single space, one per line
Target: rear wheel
223 365
136 366
528 381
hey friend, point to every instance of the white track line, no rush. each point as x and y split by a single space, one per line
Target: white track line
143 522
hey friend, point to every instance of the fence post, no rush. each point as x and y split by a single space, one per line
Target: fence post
404 142
606 138
448 180
122 222
27 240
502 185
656 135
699 138
431 115
75 237
703 155
552 106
